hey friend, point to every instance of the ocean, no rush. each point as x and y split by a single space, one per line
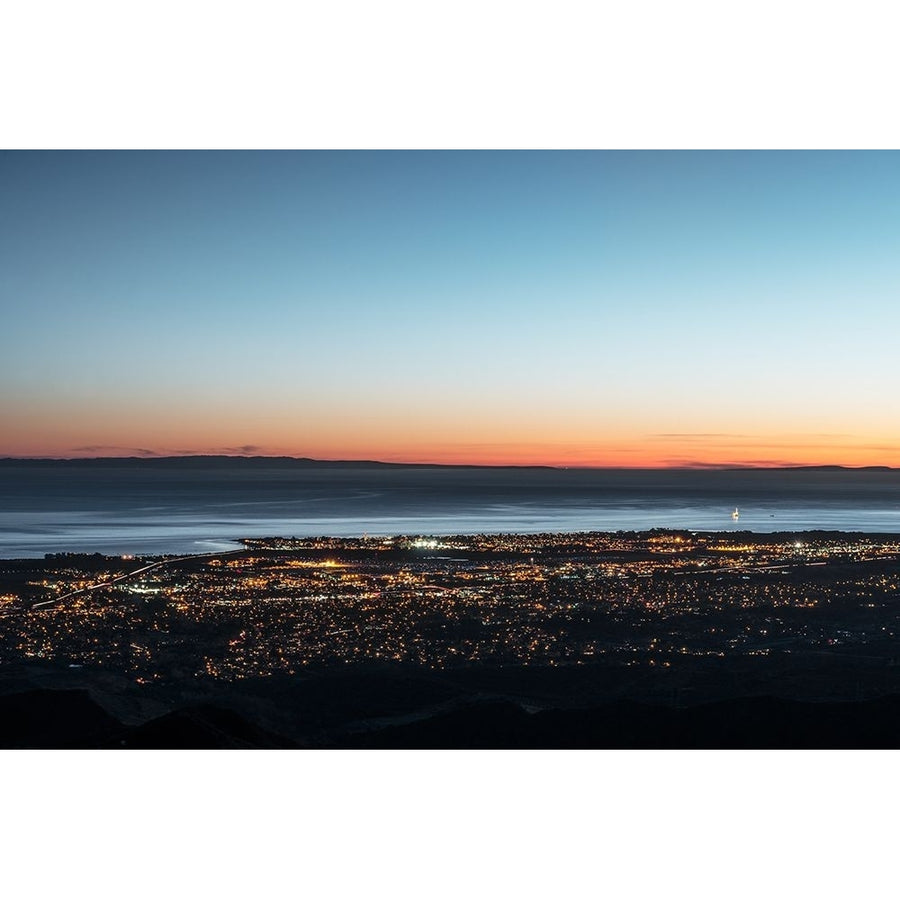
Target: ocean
196 505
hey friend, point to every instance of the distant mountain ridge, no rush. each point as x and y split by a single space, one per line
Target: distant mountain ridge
199 459
309 462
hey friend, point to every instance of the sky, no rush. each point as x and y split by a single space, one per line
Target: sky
618 308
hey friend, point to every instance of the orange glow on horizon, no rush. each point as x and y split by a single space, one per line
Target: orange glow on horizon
509 438
672 457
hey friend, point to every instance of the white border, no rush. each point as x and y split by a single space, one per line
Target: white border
466 74
471 73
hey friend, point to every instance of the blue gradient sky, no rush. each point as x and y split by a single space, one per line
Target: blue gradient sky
608 308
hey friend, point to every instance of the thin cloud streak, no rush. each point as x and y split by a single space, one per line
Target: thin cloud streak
106 449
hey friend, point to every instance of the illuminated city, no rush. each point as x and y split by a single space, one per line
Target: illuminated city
283 605
656 612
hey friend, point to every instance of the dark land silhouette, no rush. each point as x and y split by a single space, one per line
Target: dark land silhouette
374 719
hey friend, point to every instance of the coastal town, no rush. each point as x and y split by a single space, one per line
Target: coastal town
655 599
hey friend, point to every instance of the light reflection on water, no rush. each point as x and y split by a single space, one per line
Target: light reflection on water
194 506
36 533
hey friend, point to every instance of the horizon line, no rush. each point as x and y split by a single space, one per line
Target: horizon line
694 467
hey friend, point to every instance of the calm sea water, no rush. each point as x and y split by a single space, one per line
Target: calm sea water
159 506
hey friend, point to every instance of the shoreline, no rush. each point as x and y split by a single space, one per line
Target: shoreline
248 544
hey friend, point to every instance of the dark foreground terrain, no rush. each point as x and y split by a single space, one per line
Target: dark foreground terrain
396 707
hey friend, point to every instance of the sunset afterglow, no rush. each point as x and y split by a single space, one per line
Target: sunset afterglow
635 309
